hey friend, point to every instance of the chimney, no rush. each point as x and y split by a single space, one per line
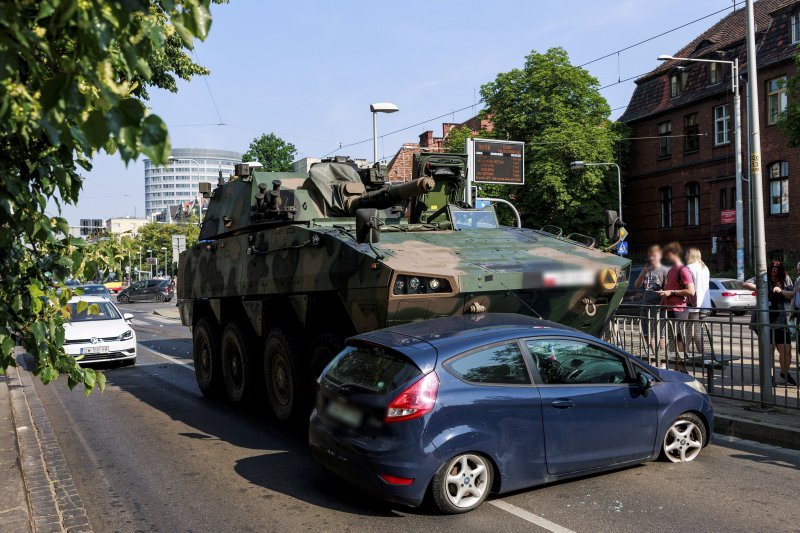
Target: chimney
426 139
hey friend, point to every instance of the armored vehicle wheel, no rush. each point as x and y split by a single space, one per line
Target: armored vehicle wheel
237 374
206 358
326 346
282 373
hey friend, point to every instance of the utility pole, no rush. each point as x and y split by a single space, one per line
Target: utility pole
765 363
737 140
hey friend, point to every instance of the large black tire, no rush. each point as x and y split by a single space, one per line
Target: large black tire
287 391
327 345
238 375
206 354
684 439
471 488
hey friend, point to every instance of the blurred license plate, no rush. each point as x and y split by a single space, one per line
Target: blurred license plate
94 349
345 414
744 296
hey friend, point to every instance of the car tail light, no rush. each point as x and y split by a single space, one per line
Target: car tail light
416 400
753 293
728 294
394 480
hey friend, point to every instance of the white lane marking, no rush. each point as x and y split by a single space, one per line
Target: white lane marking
530 517
183 364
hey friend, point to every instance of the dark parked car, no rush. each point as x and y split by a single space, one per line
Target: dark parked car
159 290
465 405
632 299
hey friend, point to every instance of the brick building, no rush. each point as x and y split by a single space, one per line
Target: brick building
401 165
680 181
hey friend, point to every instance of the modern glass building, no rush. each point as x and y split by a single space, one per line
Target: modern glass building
176 183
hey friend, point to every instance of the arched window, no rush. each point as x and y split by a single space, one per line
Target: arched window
779 188
665 201
693 204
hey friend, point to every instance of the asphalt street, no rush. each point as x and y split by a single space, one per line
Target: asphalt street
151 454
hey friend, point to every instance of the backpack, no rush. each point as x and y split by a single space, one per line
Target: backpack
691 301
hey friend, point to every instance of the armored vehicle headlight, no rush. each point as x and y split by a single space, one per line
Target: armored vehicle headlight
405 284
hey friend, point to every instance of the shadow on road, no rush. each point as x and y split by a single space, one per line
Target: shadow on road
173 347
286 466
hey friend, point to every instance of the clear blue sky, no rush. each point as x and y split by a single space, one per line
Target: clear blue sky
307 70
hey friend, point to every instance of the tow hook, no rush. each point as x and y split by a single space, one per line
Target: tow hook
589 306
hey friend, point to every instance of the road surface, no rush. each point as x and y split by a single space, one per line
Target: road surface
150 454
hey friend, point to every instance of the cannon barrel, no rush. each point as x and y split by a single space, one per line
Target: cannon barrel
391 195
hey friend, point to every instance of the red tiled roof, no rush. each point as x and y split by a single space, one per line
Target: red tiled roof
727 36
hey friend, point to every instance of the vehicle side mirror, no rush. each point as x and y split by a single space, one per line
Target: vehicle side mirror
128 317
644 381
367 225
613 223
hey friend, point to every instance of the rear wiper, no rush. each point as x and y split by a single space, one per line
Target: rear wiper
356 386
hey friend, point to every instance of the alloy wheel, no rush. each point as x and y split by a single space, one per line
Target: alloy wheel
683 441
467 480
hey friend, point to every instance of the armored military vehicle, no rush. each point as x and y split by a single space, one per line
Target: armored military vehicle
289 265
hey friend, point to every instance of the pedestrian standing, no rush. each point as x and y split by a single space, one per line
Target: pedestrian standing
651 280
679 287
702 297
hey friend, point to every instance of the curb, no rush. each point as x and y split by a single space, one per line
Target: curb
55 505
167 316
764 432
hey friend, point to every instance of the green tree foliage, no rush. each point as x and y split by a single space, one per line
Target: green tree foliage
74 76
271 151
557 110
790 121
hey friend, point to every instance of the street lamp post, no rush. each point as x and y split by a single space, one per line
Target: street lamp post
150 251
164 249
737 140
580 165
382 107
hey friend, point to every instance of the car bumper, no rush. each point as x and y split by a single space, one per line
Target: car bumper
359 463
117 351
739 305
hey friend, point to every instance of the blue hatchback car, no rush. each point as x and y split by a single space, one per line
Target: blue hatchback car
463 406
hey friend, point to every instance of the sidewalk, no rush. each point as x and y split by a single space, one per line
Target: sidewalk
171 312
14 511
777 426
37 490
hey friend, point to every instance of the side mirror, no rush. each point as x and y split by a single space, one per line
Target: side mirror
367 225
644 381
128 317
613 224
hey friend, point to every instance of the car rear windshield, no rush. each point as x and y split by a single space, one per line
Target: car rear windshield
371 369
94 289
734 285
105 311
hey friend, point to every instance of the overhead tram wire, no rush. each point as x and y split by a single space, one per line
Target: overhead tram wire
595 60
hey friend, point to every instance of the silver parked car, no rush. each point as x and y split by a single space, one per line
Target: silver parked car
730 295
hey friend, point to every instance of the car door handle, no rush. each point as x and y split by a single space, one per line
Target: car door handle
563 403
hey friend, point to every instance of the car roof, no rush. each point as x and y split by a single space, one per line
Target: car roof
88 298
425 342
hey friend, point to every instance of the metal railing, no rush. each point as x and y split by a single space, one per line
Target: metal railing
720 351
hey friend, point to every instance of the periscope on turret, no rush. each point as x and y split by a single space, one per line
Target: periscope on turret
289 265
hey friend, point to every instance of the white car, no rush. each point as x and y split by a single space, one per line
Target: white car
100 337
730 295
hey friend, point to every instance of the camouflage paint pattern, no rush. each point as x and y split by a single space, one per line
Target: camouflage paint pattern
286 261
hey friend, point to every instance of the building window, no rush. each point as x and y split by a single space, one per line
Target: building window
693 204
723 199
776 99
721 125
665 200
691 132
794 28
665 139
714 73
779 188
677 83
